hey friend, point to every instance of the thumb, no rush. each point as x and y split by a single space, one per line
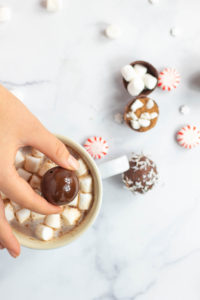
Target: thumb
53 148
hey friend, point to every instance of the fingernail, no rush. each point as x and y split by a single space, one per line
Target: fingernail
12 253
73 162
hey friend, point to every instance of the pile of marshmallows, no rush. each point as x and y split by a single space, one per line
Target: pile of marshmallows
138 79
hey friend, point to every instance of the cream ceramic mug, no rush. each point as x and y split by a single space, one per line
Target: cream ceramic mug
105 170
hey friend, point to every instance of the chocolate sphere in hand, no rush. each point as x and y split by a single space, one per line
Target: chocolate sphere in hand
59 186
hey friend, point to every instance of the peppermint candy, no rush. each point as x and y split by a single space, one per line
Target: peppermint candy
97 147
188 137
168 79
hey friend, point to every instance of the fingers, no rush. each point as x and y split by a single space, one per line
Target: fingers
53 148
7 238
18 190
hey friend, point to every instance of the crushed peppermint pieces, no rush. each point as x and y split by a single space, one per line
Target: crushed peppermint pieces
142 175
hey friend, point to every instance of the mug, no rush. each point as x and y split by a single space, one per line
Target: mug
105 170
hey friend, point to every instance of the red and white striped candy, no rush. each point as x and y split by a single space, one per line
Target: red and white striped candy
96 146
168 79
188 137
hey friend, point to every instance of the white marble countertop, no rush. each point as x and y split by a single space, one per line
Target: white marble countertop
144 247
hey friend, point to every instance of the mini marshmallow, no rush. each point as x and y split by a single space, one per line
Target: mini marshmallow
140 69
128 73
118 118
86 184
74 202
113 32
36 217
150 81
3 196
136 105
154 1
82 170
135 86
53 221
85 201
47 165
9 212
32 164
135 124
37 153
35 182
132 116
54 5
144 122
5 13
145 116
15 205
150 104
71 215
184 109
19 159
43 232
23 215
153 115
174 31
24 174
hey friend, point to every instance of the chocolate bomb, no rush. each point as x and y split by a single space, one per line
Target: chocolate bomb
59 186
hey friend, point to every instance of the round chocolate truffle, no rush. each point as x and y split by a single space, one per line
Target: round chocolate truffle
59 186
142 175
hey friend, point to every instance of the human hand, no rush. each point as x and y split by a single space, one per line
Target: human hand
19 128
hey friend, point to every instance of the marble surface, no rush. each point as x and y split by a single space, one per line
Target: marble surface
141 247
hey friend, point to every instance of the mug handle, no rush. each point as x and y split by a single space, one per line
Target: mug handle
114 167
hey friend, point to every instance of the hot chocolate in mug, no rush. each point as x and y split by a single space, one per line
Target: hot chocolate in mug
104 170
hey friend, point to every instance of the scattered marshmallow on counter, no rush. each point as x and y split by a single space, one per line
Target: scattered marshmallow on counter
23 215
174 31
118 118
113 32
84 201
71 215
43 232
32 164
86 184
53 5
35 182
153 1
5 13
184 109
9 212
138 79
24 174
53 221
19 159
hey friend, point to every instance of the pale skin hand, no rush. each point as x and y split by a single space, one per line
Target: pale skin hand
18 128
